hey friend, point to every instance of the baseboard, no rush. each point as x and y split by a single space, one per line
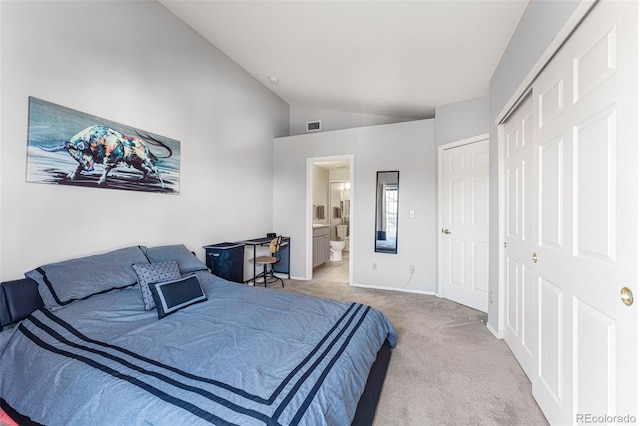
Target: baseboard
406 290
494 332
284 276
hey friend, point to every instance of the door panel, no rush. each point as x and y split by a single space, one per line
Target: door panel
550 194
521 224
595 65
564 315
514 302
480 274
464 252
593 376
595 187
529 315
480 213
550 340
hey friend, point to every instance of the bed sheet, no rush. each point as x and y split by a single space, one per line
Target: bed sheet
247 355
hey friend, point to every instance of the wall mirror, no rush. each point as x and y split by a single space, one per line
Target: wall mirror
387 184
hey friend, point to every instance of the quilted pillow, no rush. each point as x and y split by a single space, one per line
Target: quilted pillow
151 273
187 261
62 283
172 296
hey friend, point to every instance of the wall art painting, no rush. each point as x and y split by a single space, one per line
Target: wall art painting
69 147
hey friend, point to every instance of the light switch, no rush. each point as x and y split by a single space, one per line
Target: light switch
412 214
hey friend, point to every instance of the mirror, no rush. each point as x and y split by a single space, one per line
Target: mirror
340 196
387 184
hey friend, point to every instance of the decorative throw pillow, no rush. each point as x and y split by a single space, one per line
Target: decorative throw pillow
174 295
151 273
187 261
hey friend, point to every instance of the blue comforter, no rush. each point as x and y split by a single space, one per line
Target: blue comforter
247 356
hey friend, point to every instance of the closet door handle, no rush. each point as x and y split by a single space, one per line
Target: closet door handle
627 296
446 231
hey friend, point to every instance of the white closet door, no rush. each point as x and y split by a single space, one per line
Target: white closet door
585 234
520 225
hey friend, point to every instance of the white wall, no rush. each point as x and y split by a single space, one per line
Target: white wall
339 175
462 120
134 63
408 147
540 24
335 120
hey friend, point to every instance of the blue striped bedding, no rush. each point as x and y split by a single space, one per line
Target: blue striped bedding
246 356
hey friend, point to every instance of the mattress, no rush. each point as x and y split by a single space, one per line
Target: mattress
246 355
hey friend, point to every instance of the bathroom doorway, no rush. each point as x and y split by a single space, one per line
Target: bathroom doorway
331 198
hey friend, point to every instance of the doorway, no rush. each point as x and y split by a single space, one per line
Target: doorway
330 194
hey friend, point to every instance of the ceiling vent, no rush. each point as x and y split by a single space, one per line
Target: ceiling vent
313 126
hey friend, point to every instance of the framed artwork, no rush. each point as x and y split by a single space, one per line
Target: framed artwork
69 147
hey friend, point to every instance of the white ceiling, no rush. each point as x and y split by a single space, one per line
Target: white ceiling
394 58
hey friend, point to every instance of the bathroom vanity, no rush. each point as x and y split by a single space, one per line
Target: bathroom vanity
320 244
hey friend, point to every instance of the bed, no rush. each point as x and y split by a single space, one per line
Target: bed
87 347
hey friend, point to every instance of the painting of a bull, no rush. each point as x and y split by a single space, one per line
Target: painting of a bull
103 145
69 147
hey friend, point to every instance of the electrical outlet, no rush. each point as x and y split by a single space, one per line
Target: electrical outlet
412 269
374 266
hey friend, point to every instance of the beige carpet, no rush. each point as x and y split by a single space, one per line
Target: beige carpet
447 368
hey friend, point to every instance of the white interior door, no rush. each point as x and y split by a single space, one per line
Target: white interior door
584 245
520 225
464 244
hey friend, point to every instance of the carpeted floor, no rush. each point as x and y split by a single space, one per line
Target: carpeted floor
447 368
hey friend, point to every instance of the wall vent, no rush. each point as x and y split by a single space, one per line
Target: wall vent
313 126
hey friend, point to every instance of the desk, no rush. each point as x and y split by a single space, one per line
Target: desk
283 265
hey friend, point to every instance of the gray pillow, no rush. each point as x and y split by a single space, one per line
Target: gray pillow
187 261
172 296
62 283
151 273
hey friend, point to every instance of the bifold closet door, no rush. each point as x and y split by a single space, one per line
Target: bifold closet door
584 245
520 223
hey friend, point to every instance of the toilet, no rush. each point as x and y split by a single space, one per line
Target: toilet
335 250
336 247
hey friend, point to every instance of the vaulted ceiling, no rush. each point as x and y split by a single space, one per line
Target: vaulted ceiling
393 58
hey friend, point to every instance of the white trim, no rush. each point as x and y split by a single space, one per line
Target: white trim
441 150
494 332
500 309
405 290
309 218
308 244
298 278
583 8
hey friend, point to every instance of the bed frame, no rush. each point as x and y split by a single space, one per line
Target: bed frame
19 298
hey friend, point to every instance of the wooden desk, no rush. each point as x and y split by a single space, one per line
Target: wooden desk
283 266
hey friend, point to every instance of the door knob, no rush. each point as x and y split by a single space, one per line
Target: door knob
534 257
446 231
627 296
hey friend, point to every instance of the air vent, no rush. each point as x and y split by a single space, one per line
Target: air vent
313 126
